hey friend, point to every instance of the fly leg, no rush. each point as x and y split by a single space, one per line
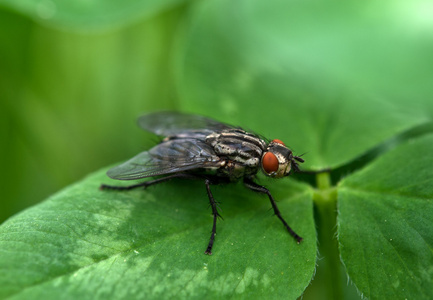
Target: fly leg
261 189
215 214
208 181
148 183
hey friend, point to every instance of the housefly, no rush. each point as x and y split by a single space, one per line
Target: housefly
196 147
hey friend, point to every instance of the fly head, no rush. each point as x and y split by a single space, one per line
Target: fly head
278 160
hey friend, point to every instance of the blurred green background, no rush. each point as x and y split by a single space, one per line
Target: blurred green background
74 76
71 89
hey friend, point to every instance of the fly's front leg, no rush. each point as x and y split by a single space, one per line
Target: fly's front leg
215 214
261 189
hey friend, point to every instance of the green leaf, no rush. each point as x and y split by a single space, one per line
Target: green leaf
385 224
83 243
330 78
89 14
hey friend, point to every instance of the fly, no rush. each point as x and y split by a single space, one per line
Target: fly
196 147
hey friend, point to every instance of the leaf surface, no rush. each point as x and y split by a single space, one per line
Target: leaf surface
91 244
384 224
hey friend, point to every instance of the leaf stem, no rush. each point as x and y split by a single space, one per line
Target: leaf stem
325 204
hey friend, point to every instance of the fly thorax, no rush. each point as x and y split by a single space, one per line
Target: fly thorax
238 146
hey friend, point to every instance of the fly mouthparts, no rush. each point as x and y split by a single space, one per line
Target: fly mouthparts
301 160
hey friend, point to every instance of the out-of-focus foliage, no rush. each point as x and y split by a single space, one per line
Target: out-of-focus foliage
333 79
69 100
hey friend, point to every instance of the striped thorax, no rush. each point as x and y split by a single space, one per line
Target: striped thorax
246 153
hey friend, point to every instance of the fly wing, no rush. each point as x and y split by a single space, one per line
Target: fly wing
175 123
168 157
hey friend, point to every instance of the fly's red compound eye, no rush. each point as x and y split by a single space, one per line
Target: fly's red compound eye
270 163
278 142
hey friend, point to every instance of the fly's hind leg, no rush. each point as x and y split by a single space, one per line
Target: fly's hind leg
147 183
249 183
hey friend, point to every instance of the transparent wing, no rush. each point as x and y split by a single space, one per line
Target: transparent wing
168 157
175 123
